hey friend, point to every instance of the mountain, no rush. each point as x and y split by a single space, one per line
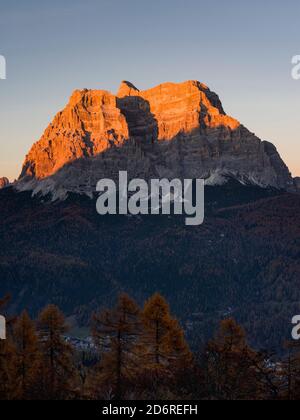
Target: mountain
4 182
173 130
242 262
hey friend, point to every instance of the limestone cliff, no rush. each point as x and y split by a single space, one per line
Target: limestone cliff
172 130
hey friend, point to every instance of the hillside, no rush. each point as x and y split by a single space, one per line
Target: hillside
244 260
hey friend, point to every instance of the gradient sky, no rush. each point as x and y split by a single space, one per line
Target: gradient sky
240 49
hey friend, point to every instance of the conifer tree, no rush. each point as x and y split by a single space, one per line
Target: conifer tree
56 355
290 371
27 359
157 323
115 332
234 370
177 350
163 338
7 362
162 349
8 380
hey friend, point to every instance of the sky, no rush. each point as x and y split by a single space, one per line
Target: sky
241 49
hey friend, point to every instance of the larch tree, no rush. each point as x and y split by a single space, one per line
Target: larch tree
163 338
163 351
115 332
290 372
56 355
8 381
176 348
234 371
27 359
157 323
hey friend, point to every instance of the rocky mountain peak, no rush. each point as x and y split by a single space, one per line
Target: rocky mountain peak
171 130
127 89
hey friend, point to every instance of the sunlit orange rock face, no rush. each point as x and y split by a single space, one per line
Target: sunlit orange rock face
89 124
182 108
176 108
95 121
172 130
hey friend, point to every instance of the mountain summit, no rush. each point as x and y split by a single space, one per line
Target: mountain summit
172 130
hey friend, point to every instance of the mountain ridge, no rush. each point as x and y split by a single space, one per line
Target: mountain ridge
171 130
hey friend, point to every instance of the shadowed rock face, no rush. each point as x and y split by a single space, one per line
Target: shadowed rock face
173 130
3 182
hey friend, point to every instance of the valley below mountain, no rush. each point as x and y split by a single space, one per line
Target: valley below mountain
243 262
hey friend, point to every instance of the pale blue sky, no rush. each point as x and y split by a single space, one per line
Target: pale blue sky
240 49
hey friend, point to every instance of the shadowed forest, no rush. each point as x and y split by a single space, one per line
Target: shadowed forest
138 354
242 263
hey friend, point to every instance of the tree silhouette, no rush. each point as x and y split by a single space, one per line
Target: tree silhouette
115 332
27 357
56 355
